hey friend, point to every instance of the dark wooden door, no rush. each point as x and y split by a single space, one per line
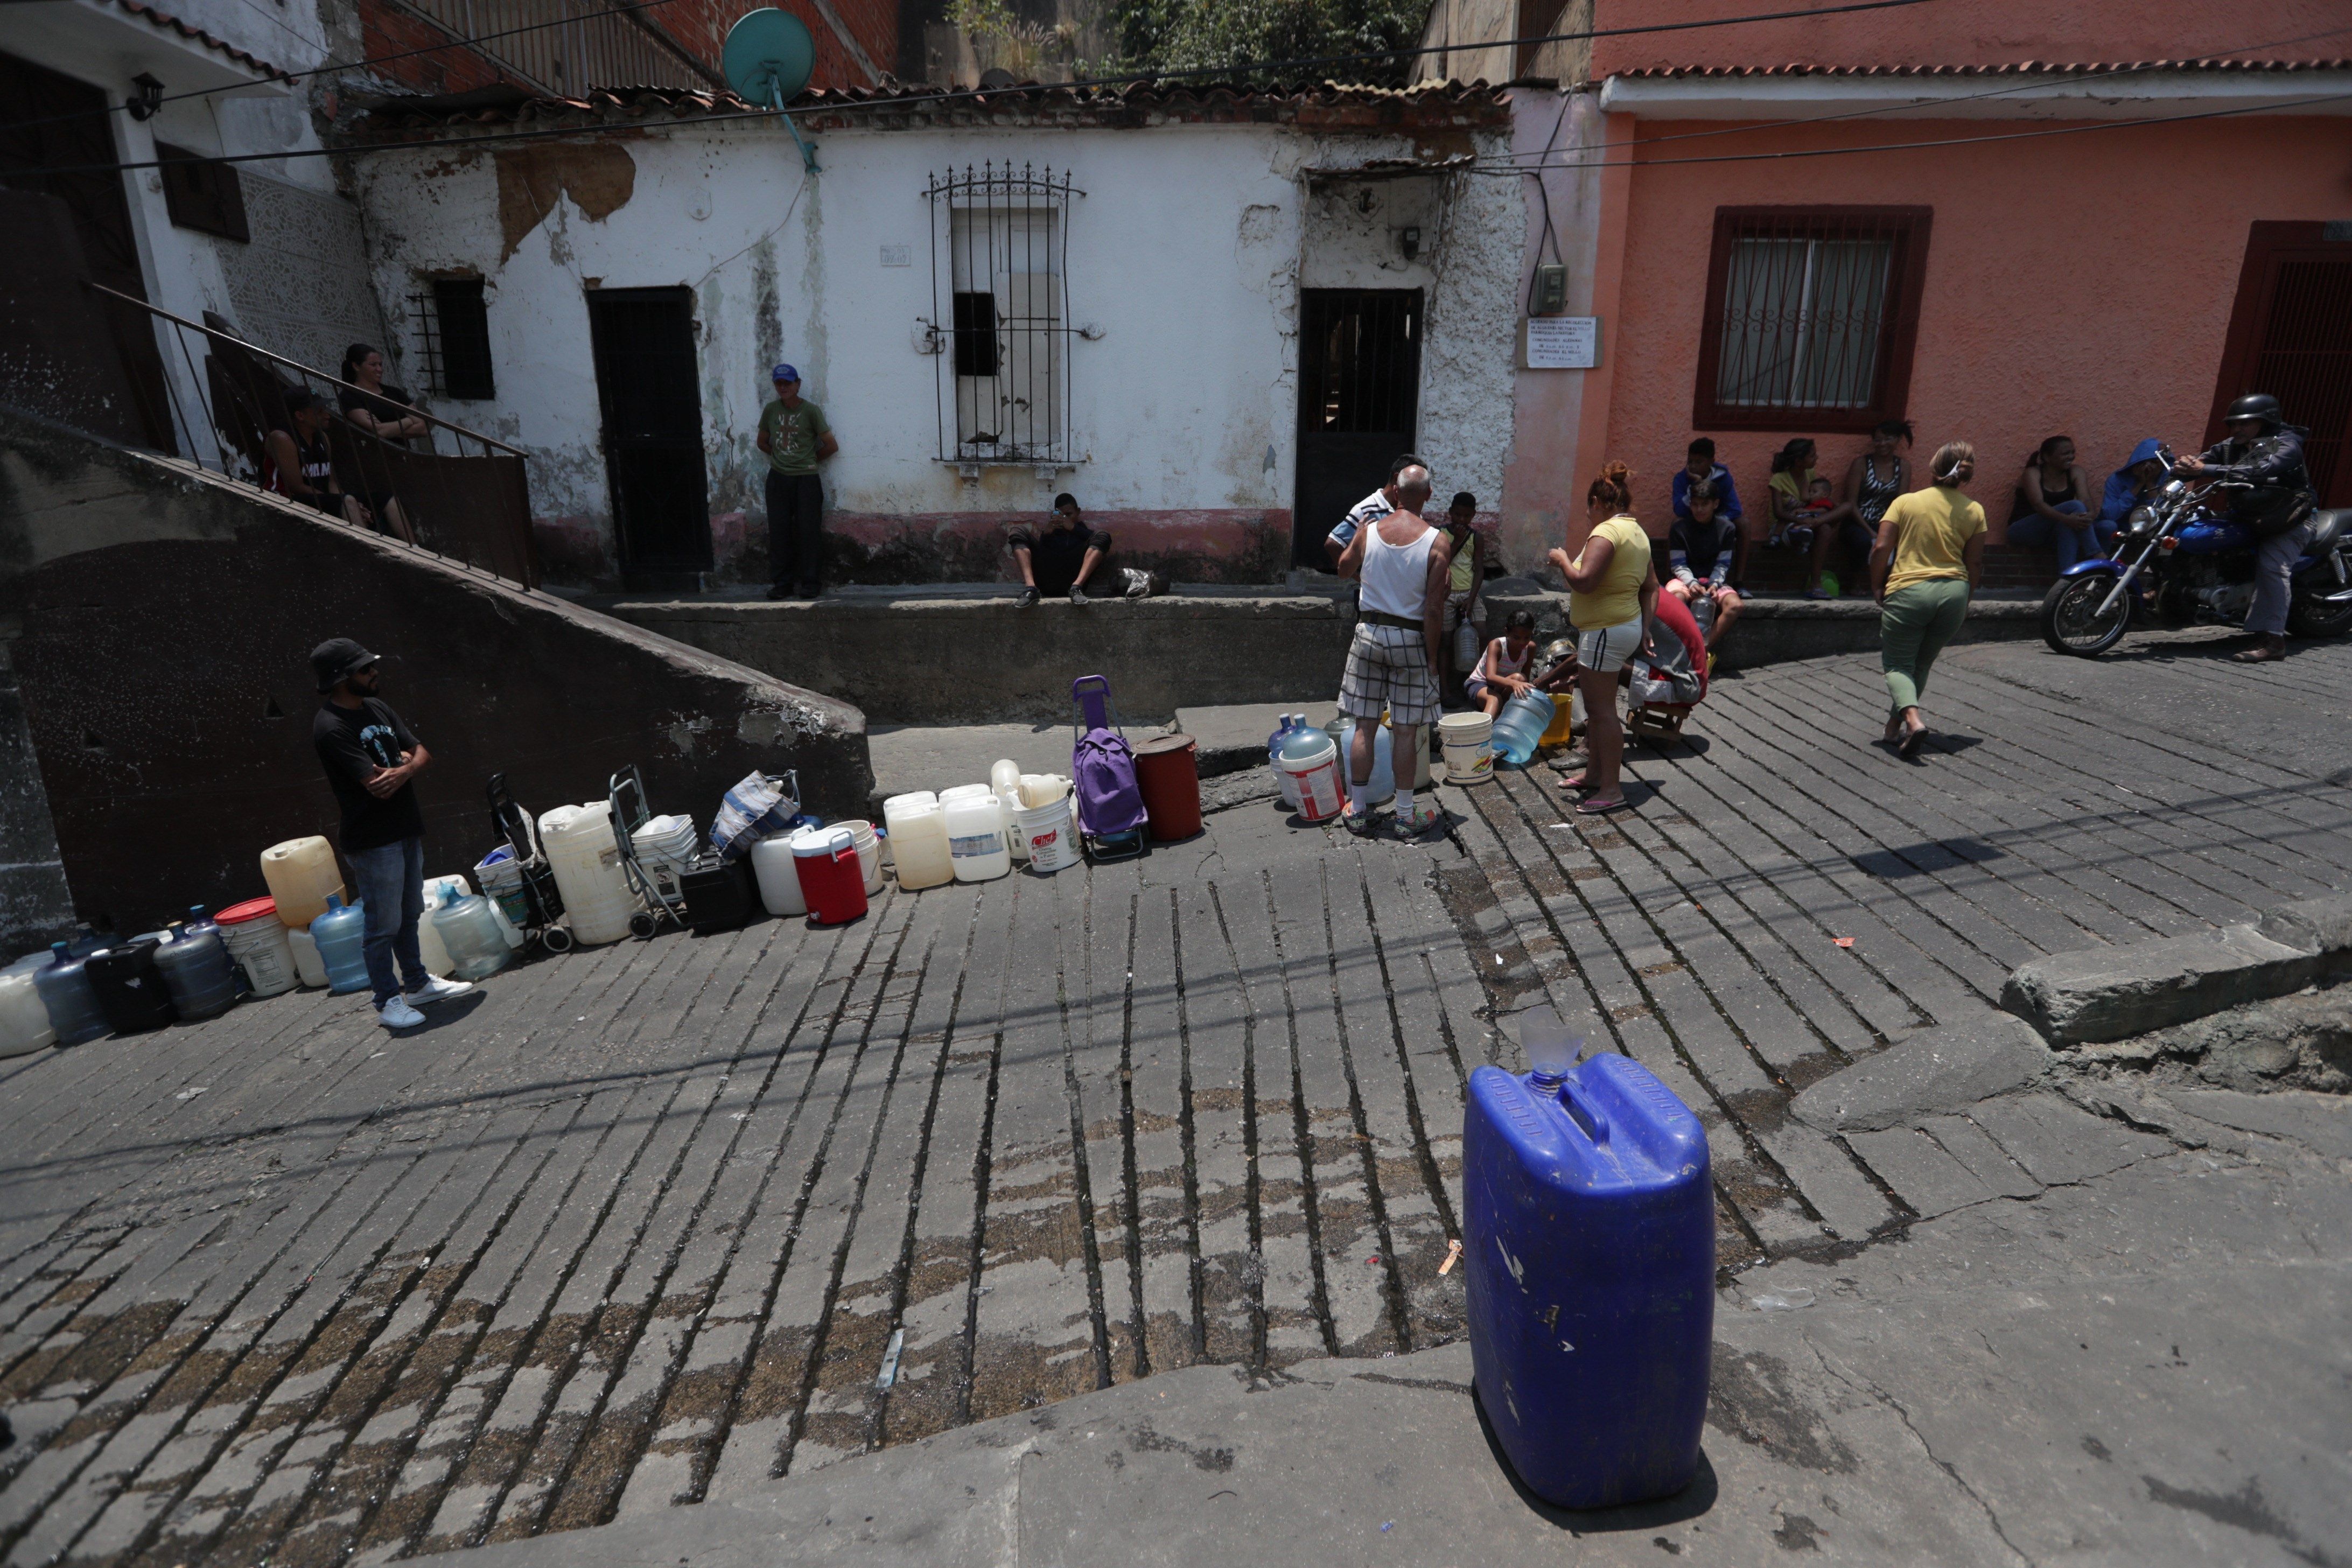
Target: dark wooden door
647 381
53 121
2290 336
1358 398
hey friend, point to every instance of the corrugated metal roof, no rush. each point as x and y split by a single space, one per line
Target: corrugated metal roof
2021 69
1325 105
170 24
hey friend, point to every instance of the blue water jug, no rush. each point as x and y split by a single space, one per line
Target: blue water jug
342 937
1381 786
1589 1230
196 969
67 993
1519 727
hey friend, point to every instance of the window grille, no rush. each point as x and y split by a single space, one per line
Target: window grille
425 332
464 339
999 278
1811 313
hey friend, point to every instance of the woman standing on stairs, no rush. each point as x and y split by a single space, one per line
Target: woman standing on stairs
1925 566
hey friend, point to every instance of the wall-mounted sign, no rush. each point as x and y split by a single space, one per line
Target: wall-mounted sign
1560 342
898 256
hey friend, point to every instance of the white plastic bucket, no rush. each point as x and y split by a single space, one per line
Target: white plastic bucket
1051 836
780 885
260 948
1316 778
869 851
1469 760
665 847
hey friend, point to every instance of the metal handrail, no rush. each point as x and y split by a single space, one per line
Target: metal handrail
297 364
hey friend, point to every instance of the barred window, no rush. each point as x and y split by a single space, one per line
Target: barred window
449 323
1812 314
1000 259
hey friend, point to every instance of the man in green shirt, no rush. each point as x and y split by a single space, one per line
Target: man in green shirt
796 439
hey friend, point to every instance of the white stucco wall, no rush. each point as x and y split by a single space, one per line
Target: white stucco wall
1187 252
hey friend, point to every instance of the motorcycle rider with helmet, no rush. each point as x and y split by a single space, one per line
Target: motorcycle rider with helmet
2264 451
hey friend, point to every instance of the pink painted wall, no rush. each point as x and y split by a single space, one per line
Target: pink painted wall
1971 32
2070 287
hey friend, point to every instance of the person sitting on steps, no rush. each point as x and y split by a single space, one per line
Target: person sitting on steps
1065 555
1707 552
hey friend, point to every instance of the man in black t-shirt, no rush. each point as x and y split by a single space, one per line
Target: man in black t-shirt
370 758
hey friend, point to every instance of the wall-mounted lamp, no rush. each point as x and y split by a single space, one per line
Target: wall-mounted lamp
1409 241
146 98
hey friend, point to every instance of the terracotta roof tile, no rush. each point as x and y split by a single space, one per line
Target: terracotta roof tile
170 24
2020 69
1329 104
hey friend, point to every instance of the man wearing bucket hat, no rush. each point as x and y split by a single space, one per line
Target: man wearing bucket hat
796 439
371 758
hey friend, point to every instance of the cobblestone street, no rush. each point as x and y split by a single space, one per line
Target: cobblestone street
641 1226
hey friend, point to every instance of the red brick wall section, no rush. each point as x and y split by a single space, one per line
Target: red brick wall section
385 30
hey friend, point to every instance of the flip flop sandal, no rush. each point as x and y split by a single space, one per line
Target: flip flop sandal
1908 746
1600 807
1574 782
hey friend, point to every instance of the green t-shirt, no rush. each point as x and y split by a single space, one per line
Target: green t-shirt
792 434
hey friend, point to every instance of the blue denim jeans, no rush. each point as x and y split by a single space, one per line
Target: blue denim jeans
392 891
2069 544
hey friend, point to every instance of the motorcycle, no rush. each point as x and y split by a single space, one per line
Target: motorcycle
2180 561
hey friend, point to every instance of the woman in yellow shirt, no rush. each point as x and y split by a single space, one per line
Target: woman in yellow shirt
1611 592
1929 554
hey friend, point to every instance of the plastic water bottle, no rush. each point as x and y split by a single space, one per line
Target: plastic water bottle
342 937
1290 786
1589 1233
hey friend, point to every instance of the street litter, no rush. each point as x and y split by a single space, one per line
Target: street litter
1794 1299
889 1372
188 1094
1453 1256
1844 941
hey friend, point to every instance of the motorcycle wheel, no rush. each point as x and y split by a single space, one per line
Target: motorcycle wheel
2071 623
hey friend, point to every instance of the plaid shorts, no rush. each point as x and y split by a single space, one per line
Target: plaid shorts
1388 669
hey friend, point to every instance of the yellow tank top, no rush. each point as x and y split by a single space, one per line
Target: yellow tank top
1617 597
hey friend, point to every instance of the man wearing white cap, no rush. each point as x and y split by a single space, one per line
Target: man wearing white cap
796 439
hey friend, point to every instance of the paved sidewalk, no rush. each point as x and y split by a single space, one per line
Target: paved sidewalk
636 1228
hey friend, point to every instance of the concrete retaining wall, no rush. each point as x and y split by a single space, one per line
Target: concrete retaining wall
966 655
166 618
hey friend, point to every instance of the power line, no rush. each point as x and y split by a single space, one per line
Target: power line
1913 146
1246 68
345 65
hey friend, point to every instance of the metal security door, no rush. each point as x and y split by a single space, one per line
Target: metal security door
2290 336
646 378
1358 398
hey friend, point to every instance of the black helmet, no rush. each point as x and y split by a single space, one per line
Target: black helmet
2259 406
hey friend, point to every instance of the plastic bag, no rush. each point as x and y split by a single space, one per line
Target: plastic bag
759 807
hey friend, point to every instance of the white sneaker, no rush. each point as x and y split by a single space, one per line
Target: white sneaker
397 1013
434 991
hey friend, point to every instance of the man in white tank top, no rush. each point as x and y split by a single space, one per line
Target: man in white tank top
1401 562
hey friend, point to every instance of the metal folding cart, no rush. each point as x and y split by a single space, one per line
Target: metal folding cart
532 903
626 794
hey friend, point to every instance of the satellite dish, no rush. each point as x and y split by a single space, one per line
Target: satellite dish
769 56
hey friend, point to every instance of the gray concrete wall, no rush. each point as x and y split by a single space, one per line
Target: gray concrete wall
932 659
34 907
166 618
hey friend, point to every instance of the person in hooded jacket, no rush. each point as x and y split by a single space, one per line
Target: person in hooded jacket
2134 485
2264 451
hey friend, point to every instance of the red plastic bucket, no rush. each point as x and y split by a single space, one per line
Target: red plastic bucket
1167 770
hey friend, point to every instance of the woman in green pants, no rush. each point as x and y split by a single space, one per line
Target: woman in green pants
1929 554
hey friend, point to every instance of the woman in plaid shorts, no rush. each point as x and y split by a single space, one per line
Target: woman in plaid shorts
1402 564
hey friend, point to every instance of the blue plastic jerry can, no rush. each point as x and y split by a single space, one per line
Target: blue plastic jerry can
1589 1230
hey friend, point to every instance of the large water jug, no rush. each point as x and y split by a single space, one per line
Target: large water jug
1519 727
469 933
65 994
975 825
130 989
1283 781
1004 774
197 972
438 891
25 1026
1588 1228
1316 773
301 873
309 967
341 934
1381 787
586 859
917 827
